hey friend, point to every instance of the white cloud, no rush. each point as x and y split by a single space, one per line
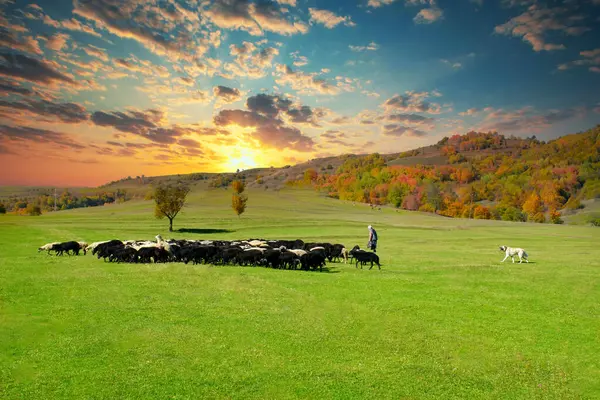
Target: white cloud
428 15
371 46
328 18
533 25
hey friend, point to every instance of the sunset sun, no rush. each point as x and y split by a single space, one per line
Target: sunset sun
243 161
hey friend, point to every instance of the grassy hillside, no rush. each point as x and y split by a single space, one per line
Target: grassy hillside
442 319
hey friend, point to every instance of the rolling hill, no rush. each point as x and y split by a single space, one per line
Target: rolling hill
480 175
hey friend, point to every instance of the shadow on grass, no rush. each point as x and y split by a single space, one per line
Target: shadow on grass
327 271
205 230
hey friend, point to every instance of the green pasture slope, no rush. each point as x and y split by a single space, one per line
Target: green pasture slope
443 319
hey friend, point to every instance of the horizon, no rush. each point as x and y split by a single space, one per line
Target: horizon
96 90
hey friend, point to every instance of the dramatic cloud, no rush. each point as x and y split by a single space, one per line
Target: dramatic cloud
144 67
269 129
253 17
7 86
396 130
226 94
333 137
411 102
534 24
268 104
57 42
526 119
328 18
36 12
97 52
151 27
26 44
371 46
410 119
304 115
49 111
24 67
136 122
33 135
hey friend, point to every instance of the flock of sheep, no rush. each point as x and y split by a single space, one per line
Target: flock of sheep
286 254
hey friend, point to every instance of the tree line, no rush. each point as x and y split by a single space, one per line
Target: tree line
36 204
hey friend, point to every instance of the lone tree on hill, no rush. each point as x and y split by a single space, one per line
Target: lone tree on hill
238 200
169 200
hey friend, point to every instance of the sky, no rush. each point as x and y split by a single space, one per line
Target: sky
96 90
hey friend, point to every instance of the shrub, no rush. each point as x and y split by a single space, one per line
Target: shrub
427 208
482 212
555 217
512 214
538 217
34 209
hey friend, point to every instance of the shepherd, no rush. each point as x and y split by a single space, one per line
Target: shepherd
372 239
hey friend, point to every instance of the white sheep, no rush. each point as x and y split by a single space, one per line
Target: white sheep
257 243
344 253
298 252
83 246
261 249
47 247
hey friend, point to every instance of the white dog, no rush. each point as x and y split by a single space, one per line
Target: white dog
514 251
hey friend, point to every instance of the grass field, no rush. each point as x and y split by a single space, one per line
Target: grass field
443 319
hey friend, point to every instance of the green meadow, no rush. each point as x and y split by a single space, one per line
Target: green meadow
443 319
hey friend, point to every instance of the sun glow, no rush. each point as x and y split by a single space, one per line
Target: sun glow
241 158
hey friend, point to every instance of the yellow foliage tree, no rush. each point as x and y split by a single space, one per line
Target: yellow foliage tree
238 203
533 208
238 200
238 186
